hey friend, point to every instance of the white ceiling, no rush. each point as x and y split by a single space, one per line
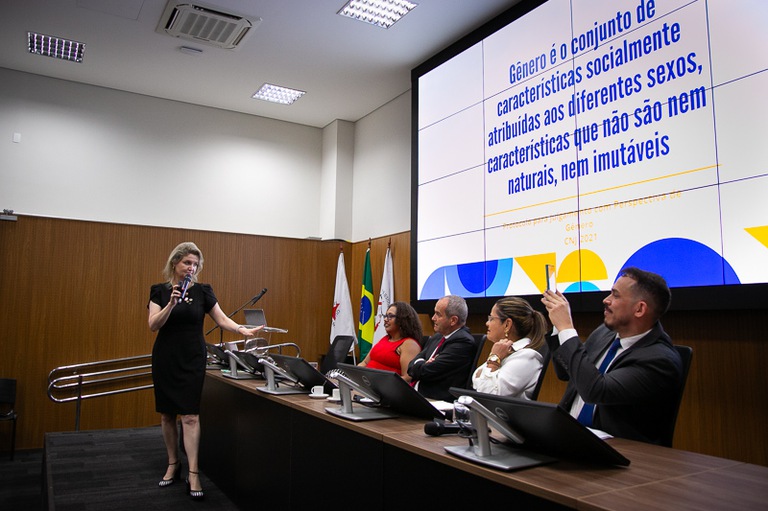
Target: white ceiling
347 68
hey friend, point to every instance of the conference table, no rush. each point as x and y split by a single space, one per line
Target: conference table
287 451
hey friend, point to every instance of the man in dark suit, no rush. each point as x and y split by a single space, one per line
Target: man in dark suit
636 395
447 356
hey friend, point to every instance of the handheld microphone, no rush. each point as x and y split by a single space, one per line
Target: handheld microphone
184 286
258 296
440 427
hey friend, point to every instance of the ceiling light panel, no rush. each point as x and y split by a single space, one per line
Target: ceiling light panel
382 13
278 94
56 47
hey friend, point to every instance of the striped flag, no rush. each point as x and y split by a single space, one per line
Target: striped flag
365 330
342 321
386 297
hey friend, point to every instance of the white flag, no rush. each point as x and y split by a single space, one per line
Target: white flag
386 297
342 321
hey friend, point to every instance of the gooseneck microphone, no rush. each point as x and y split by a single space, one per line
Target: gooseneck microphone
258 296
184 286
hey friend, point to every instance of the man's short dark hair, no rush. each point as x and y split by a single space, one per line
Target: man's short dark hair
652 288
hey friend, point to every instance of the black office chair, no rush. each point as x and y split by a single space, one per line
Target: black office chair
544 350
7 403
686 356
339 351
479 343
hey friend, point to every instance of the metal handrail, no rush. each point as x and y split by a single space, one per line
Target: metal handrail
74 372
265 349
257 347
67 383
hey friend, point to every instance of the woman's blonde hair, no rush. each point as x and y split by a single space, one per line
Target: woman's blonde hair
179 253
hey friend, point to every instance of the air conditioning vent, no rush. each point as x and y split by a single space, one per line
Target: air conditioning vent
202 24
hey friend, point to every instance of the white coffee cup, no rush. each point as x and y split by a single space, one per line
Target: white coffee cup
336 394
317 390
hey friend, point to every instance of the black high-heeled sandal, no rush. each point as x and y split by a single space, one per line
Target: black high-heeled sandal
176 475
195 494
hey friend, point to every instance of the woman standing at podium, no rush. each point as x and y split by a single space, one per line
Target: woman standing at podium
177 310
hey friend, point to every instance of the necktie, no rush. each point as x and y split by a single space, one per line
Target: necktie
587 411
434 353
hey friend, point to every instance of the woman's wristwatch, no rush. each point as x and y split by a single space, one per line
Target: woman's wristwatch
493 359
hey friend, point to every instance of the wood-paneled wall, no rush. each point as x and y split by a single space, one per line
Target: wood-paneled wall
73 292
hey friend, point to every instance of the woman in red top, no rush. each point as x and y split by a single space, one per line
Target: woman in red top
401 344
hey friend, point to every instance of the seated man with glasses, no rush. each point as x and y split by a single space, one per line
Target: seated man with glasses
401 344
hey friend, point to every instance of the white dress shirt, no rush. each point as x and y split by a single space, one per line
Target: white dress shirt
517 376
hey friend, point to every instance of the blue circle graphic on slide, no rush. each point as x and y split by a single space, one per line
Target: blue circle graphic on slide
684 263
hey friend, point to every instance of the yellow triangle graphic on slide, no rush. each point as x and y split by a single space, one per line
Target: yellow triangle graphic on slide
533 266
760 233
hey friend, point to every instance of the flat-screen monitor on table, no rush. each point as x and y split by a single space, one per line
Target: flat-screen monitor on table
216 356
393 395
252 361
546 428
238 365
298 371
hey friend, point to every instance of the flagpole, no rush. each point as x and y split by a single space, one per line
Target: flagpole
342 317
386 296
367 308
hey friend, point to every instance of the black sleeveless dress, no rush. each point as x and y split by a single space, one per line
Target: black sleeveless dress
179 354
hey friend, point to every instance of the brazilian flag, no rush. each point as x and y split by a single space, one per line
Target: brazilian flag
365 330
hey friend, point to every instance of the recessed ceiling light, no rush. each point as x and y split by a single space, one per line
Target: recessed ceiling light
382 13
278 94
56 47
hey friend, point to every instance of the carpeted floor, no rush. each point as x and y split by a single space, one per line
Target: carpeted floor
21 481
112 470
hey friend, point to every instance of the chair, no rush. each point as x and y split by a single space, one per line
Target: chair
686 356
338 353
544 350
479 344
7 402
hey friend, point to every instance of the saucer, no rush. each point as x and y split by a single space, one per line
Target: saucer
334 400
318 396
